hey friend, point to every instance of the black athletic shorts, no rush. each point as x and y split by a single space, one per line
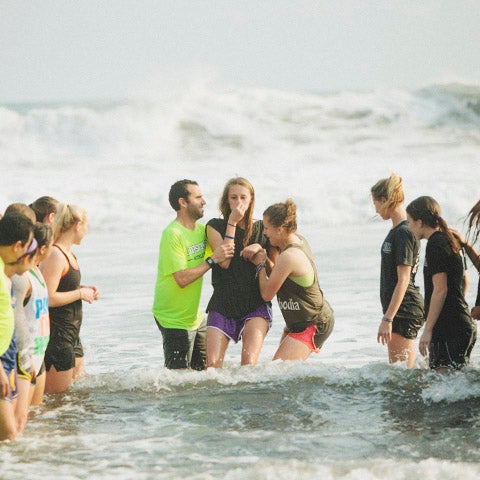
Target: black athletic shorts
184 348
452 352
407 327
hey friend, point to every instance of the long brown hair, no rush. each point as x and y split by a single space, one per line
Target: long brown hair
428 211
473 222
225 209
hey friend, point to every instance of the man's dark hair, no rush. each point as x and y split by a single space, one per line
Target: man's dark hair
44 206
15 227
179 190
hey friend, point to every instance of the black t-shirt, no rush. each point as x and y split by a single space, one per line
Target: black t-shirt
235 289
400 247
439 258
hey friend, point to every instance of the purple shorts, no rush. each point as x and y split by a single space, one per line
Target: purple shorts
233 328
12 387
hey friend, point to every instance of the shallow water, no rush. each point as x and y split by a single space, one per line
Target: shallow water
345 413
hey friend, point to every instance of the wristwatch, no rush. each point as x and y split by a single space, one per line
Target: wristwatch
210 262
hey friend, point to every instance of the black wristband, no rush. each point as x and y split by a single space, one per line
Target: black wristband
210 262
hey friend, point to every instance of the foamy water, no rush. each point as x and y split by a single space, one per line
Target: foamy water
344 414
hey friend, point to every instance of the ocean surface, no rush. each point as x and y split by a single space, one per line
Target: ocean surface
343 414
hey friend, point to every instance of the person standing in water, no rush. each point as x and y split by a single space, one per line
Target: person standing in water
181 266
64 360
236 310
450 332
293 279
402 304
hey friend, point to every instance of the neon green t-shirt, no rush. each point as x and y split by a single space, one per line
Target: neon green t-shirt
7 319
180 248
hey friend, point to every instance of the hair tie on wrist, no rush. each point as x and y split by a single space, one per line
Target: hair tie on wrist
232 225
258 268
230 237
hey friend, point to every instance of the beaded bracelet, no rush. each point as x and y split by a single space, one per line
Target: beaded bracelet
386 319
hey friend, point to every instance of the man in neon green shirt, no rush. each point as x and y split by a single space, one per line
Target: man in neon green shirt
181 266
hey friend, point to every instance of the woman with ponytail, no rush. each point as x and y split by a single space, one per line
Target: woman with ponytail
293 279
64 354
450 332
402 304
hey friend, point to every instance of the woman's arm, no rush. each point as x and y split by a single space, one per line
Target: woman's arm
215 240
270 284
384 334
439 294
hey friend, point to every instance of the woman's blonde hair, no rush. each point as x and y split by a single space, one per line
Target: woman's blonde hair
67 216
391 189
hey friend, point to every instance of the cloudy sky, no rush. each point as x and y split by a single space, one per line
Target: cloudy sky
99 49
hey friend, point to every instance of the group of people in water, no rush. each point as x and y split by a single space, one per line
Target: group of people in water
450 331
252 261
40 306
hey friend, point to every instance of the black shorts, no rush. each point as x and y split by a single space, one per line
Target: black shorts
61 354
453 352
184 348
323 332
407 327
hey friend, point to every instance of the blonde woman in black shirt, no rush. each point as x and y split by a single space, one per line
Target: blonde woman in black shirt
402 303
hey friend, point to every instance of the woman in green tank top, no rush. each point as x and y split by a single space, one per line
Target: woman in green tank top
293 279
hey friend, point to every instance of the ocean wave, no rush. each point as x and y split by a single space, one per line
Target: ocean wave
126 155
231 118
376 379
366 470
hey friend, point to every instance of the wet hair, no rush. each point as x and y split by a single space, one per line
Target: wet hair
22 209
225 209
428 211
67 216
15 227
179 190
473 222
283 215
44 206
391 189
43 234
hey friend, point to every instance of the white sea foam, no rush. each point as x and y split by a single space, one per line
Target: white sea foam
329 147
